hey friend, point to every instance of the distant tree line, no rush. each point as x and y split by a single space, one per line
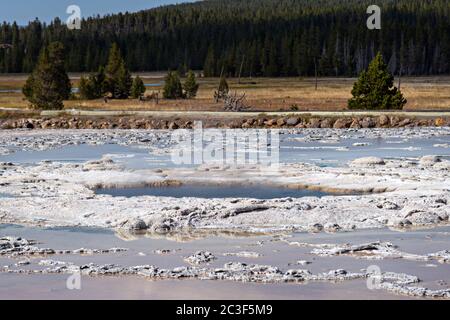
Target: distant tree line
251 37
49 85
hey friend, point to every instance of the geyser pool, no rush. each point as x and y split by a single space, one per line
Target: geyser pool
214 191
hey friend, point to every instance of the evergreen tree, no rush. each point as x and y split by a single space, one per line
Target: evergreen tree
49 85
27 89
93 86
138 88
375 88
100 82
118 78
86 89
123 84
223 87
190 86
172 86
56 55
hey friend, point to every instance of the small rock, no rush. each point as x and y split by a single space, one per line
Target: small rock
404 122
163 227
342 123
304 206
200 257
270 122
314 123
368 161
429 160
243 254
316 228
368 123
404 223
326 123
332 227
382 121
138 225
164 251
281 122
388 205
355 124
293 121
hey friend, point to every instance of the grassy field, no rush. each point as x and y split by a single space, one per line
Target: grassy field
262 94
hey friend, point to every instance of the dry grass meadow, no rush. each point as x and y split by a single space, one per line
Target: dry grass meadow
262 94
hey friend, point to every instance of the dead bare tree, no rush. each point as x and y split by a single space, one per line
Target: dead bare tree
220 95
154 96
234 102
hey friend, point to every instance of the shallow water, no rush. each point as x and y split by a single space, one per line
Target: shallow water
74 90
330 152
328 149
132 157
273 252
212 192
45 287
10 90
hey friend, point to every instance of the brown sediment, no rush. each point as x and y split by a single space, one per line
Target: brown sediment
338 191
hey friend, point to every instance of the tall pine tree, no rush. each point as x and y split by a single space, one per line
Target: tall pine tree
190 86
172 87
49 85
375 88
93 87
118 78
138 88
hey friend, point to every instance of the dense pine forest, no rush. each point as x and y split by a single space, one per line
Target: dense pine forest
256 37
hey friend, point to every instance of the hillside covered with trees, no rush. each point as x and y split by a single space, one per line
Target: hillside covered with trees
261 37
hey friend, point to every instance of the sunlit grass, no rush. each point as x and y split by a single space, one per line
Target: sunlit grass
262 94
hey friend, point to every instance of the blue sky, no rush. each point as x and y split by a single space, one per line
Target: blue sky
24 11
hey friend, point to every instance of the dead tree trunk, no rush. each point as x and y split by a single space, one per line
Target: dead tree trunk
234 103
315 71
240 69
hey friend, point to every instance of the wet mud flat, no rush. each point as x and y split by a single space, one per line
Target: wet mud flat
109 257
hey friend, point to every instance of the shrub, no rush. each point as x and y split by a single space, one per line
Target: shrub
224 89
172 86
138 88
190 86
93 86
